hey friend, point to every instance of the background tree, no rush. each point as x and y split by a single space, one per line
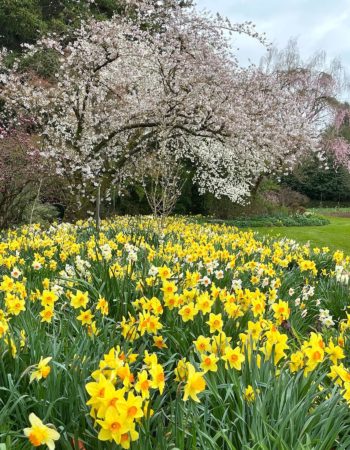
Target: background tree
336 140
25 21
22 172
328 177
316 82
321 181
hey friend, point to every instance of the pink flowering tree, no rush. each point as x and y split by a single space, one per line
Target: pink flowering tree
20 171
336 140
317 84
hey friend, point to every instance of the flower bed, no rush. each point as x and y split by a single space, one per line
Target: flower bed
182 336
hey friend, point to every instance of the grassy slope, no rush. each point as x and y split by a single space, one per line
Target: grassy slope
336 235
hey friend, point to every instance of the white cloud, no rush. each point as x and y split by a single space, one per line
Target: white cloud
318 24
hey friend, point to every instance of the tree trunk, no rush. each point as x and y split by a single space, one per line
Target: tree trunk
256 186
35 202
98 206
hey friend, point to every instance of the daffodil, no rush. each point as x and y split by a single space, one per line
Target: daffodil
42 369
80 299
249 394
40 434
209 363
335 352
158 377
188 312
233 357
195 383
215 322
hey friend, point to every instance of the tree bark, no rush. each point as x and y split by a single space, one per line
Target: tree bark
98 206
256 186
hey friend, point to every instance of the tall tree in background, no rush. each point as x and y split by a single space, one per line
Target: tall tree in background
25 21
317 81
318 84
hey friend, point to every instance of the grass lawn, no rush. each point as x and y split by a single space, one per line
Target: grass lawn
336 235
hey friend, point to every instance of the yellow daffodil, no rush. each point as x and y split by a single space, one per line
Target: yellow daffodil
40 434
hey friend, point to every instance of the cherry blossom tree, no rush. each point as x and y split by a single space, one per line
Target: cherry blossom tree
124 90
336 138
318 84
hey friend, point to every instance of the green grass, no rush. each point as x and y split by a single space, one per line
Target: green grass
336 235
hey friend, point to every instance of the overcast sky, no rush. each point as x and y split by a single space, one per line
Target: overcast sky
318 24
